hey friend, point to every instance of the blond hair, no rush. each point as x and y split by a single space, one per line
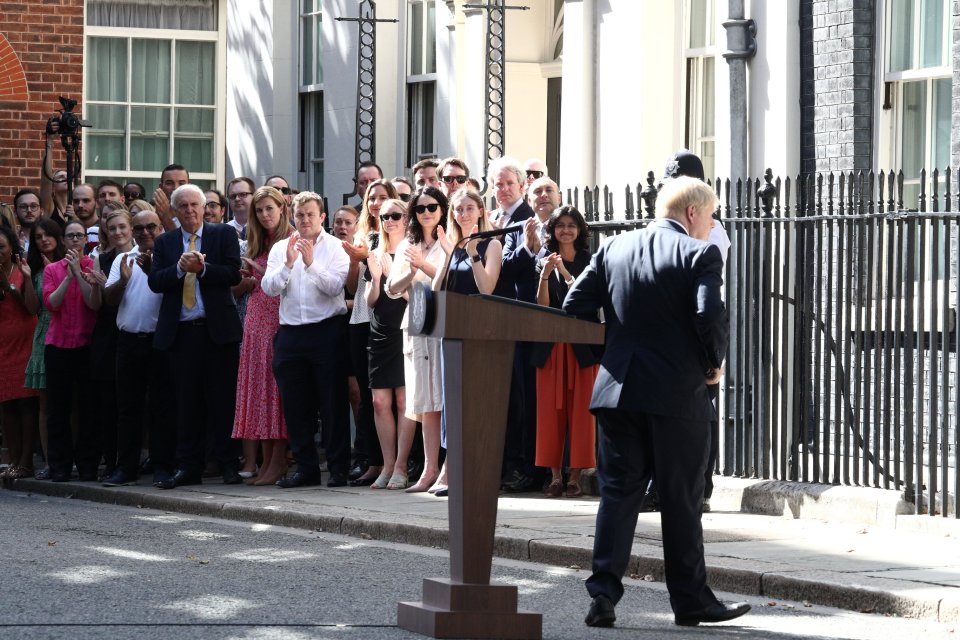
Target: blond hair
453 227
257 235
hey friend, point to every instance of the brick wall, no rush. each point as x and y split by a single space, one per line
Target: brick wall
837 86
44 38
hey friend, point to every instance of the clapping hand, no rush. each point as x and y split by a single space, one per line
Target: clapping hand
73 262
145 261
531 235
376 267
472 244
358 252
414 256
191 262
251 266
126 268
94 278
21 264
444 241
305 248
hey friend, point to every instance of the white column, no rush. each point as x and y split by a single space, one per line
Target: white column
578 124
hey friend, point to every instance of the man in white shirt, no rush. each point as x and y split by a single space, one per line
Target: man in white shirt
240 196
308 272
142 371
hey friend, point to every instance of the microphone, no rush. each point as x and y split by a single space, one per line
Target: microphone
492 233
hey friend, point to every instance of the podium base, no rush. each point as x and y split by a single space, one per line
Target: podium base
455 610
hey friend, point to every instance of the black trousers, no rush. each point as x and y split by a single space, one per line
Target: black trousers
306 366
366 443
520 443
205 387
714 391
632 446
67 373
144 388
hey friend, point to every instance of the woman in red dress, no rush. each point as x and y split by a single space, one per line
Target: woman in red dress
259 415
19 305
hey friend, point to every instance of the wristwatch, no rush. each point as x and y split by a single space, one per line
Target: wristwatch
476 258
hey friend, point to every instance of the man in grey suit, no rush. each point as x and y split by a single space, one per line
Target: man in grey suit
667 333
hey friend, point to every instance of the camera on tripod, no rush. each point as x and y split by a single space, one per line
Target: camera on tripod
68 123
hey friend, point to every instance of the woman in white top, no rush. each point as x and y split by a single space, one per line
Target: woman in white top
418 258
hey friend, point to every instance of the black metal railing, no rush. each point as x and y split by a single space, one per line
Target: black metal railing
842 366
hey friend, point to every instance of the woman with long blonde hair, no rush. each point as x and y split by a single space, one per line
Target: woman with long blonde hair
259 414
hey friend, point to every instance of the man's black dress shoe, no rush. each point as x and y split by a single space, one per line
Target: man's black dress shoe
358 469
714 613
522 484
60 476
601 613
299 479
337 480
180 478
232 476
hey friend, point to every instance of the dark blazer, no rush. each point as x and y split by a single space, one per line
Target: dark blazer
222 250
518 275
586 354
666 322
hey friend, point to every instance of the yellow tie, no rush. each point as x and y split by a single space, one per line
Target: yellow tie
190 280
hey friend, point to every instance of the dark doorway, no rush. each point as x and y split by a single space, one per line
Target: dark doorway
553 127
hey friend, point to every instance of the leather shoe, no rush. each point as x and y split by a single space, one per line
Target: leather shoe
299 479
180 478
601 613
523 484
358 469
119 478
337 480
232 476
714 613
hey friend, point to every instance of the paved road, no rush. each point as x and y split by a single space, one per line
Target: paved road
83 570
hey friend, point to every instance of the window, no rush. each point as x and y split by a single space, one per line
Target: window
150 90
311 94
700 55
421 80
918 77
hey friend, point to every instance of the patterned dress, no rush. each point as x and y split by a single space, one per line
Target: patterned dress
16 340
36 372
259 414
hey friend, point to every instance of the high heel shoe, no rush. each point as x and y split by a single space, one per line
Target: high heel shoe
422 484
382 481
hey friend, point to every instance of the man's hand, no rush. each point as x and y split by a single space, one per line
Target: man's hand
305 247
191 262
162 204
145 261
291 256
714 375
531 235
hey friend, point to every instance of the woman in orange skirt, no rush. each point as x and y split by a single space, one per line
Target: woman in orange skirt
565 372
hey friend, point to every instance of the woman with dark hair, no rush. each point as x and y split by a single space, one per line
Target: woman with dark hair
46 247
259 414
418 259
18 311
369 456
565 372
72 301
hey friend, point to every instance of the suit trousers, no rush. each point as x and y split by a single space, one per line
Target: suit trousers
205 387
714 391
67 371
520 442
306 365
144 388
632 446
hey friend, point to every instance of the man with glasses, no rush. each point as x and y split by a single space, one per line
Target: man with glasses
26 205
453 175
133 191
403 186
534 170
172 176
215 207
280 184
143 380
425 174
240 194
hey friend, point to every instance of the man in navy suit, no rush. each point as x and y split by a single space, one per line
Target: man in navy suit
194 267
667 332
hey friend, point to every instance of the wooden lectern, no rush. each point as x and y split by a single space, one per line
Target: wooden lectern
478 334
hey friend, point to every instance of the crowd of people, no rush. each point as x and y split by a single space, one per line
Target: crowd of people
189 332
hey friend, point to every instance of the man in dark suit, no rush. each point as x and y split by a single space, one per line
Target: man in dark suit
194 267
518 280
667 333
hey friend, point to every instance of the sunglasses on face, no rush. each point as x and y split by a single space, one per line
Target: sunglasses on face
391 216
452 179
140 228
420 208
133 195
405 197
285 190
536 175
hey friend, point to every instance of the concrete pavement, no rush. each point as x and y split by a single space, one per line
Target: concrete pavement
856 549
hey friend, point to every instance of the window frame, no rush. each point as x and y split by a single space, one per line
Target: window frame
218 37
695 58
317 46
417 82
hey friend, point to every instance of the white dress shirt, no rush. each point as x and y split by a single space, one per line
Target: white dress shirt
198 310
140 307
501 217
308 295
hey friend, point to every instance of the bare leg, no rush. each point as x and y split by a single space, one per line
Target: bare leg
250 455
431 452
406 432
386 426
274 462
353 396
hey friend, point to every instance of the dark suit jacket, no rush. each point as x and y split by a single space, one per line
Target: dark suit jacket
222 250
666 322
518 275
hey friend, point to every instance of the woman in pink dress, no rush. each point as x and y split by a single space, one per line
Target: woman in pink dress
259 415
